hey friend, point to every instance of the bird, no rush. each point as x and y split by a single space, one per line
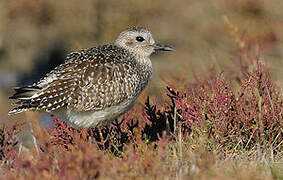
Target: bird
94 86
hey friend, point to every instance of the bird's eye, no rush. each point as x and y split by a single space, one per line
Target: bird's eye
140 39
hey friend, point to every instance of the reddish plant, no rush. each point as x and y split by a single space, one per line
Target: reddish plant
9 148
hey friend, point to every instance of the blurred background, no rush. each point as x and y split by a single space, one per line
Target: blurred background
36 35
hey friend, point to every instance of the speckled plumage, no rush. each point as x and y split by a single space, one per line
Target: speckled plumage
95 85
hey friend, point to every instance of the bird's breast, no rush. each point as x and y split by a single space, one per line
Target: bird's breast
145 71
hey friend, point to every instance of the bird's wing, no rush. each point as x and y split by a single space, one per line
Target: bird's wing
106 81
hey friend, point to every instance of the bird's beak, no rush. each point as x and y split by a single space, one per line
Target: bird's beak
161 47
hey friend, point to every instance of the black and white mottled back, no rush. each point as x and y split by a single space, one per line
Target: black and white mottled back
94 85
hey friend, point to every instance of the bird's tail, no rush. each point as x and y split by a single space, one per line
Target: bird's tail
25 96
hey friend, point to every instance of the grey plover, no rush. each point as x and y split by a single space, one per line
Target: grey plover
94 86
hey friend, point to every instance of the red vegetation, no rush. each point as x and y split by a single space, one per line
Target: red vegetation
8 145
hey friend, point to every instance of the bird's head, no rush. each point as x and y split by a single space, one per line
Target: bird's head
139 41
